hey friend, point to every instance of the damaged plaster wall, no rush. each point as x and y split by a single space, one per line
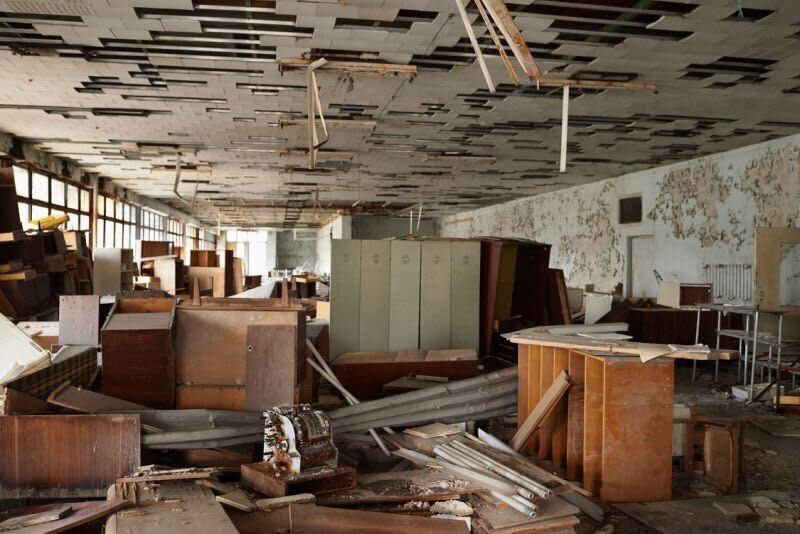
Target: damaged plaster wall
699 212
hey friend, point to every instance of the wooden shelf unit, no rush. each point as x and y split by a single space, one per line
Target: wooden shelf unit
613 427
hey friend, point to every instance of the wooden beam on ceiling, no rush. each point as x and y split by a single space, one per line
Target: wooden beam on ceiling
390 70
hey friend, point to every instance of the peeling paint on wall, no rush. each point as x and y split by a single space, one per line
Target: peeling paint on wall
700 212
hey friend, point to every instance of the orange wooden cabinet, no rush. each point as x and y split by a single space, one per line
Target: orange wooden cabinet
613 428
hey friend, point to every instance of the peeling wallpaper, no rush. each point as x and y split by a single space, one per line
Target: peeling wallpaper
702 211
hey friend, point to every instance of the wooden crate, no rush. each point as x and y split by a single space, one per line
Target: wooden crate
138 352
613 429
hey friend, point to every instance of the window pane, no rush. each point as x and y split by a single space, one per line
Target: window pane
72 223
23 213
126 212
57 192
119 210
38 212
109 234
118 235
40 186
72 197
101 225
109 207
85 222
21 181
85 200
101 205
56 212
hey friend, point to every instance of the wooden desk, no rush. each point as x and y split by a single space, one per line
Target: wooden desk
613 428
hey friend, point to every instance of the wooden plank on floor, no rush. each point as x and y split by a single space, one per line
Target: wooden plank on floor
181 507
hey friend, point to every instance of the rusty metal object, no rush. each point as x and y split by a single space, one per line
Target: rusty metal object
297 438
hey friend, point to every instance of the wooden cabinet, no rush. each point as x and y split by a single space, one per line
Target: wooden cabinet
138 354
613 428
113 270
228 350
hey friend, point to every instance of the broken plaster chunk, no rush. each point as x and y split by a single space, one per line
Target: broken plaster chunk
452 507
732 509
759 501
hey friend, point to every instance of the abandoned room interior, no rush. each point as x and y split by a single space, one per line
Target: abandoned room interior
392 266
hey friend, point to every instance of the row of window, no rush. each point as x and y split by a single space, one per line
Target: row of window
40 194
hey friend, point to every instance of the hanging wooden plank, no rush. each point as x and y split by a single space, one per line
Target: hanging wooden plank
501 16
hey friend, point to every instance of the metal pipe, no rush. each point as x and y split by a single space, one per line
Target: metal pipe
490 483
476 464
533 509
493 391
507 402
405 399
504 471
422 418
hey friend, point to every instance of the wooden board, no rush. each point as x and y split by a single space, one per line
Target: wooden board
768 292
81 513
465 283
345 296
79 320
637 434
545 379
560 365
434 329
209 278
502 516
312 518
86 401
139 358
99 449
593 425
404 295
211 397
545 406
211 342
274 365
374 296
181 507
575 399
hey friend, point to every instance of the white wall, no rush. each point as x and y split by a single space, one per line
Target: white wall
699 212
338 228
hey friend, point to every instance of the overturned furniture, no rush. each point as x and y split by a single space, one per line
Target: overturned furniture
613 429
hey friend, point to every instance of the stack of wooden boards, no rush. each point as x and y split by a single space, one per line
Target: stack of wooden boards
36 266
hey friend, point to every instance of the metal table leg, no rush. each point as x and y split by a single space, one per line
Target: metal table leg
746 349
753 357
778 364
696 341
716 362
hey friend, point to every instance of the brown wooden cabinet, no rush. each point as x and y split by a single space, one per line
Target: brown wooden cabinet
613 428
138 353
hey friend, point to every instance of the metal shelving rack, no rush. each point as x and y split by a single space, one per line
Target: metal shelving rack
749 341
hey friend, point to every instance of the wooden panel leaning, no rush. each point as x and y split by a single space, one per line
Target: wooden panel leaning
612 428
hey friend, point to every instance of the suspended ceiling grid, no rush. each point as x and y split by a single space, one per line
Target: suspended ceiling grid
119 87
